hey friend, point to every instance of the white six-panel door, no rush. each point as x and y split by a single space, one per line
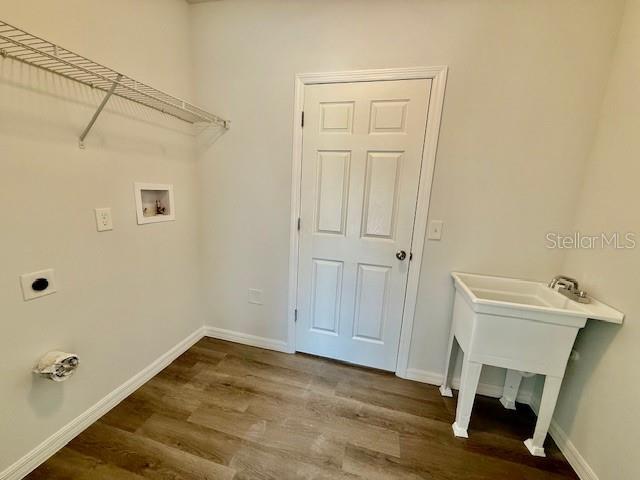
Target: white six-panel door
362 151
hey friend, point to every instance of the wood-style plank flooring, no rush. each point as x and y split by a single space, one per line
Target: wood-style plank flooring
228 411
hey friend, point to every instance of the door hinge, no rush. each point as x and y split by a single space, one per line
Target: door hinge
295 315
410 256
299 223
302 120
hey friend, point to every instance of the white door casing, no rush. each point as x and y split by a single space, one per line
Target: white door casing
361 164
438 76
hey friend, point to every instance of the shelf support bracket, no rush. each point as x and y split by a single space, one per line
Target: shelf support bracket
88 128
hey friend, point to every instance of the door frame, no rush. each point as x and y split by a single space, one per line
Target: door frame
438 76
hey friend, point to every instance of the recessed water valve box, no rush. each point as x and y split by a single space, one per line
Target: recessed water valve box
154 203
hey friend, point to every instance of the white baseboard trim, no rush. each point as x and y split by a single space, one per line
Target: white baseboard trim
571 453
55 442
246 339
423 376
566 446
486 389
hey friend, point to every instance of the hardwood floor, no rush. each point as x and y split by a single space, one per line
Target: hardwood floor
228 411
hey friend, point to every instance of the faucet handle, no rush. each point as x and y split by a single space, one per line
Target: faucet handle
568 283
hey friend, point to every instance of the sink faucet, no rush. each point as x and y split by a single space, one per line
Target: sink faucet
569 287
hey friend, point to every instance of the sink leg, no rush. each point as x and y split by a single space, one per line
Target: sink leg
445 388
511 387
547 406
468 386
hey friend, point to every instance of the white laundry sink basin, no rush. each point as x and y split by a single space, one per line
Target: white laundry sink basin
534 300
519 325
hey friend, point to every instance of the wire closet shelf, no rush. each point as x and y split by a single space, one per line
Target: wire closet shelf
25 47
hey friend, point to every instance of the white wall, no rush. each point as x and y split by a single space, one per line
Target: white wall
598 406
525 87
525 83
127 296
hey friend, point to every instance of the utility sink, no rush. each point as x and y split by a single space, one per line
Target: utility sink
523 326
535 300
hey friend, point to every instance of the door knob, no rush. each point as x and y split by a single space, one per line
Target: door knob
401 255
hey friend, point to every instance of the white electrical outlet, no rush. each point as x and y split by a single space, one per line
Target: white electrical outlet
38 284
103 219
255 296
435 230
